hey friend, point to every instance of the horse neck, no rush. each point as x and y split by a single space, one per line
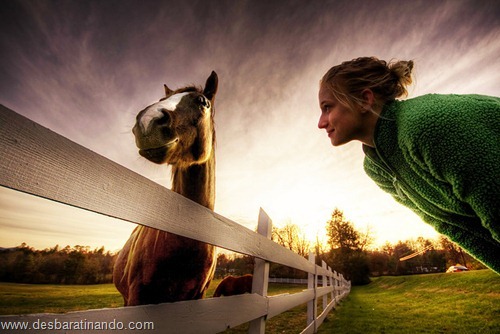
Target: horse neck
196 182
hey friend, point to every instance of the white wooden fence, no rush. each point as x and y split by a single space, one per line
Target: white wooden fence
36 160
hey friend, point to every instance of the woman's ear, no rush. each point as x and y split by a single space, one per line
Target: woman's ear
368 100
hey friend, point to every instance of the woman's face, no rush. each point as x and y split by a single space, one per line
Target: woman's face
340 122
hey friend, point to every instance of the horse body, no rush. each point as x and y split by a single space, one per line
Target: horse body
232 285
155 266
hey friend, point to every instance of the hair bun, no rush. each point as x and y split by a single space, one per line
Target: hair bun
388 81
402 70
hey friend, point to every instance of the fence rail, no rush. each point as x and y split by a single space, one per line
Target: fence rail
289 280
40 162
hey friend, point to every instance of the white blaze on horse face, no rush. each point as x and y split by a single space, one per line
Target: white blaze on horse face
154 111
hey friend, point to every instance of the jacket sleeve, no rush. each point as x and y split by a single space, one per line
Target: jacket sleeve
461 148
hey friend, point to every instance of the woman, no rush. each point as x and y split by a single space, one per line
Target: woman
439 155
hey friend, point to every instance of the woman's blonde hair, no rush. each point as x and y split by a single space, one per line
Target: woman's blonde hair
387 81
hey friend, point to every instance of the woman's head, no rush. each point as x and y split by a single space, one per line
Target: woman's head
350 79
353 93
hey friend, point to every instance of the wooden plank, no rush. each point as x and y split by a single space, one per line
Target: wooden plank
312 283
196 316
343 294
38 161
324 314
322 291
281 303
325 283
337 286
324 272
260 280
332 283
309 329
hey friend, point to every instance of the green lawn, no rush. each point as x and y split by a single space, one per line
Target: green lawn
46 298
437 303
466 302
42 298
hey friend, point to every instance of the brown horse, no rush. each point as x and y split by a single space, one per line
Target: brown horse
155 266
232 285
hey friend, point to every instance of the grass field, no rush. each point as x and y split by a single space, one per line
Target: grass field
467 302
438 303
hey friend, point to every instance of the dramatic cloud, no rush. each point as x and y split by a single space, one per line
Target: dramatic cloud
85 68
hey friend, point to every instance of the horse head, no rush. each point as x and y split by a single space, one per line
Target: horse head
179 129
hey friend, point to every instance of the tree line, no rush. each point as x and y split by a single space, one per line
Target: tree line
348 251
68 265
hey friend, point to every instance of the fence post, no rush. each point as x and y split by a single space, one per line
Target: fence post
332 284
260 280
325 283
312 283
338 286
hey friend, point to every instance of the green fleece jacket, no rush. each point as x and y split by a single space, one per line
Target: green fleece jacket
439 155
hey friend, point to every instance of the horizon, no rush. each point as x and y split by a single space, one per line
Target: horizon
59 247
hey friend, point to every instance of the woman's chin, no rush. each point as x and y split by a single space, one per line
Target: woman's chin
335 142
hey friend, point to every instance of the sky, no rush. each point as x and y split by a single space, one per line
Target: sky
84 69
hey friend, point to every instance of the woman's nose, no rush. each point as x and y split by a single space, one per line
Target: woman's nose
323 121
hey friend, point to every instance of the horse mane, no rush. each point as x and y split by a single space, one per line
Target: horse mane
188 89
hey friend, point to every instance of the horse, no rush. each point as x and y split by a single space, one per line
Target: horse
232 285
156 266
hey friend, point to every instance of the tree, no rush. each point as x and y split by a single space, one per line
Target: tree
366 238
456 255
78 265
347 254
292 237
341 233
223 265
320 250
402 249
379 262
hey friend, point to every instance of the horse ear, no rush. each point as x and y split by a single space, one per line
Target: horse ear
168 91
211 86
